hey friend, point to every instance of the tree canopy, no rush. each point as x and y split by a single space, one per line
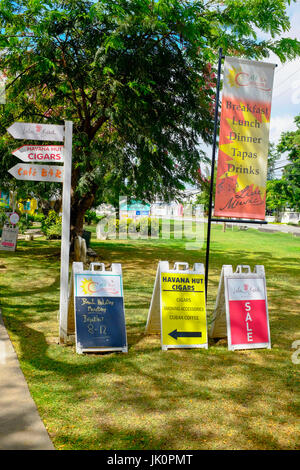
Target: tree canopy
137 78
285 192
290 143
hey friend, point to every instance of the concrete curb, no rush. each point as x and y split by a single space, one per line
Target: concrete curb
21 427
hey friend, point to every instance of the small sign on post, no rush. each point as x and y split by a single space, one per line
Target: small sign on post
177 309
99 309
9 238
241 311
14 218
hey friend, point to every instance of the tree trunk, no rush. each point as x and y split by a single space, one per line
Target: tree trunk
78 210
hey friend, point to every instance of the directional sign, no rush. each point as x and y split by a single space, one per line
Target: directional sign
40 153
28 172
31 131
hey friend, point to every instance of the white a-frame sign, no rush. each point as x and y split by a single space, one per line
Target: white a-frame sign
177 309
241 311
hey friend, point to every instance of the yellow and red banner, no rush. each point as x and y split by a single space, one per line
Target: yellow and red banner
244 139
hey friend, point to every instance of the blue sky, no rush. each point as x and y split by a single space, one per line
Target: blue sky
286 90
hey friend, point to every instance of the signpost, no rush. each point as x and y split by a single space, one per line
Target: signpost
177 307
99 309
49 173
65 233
241 311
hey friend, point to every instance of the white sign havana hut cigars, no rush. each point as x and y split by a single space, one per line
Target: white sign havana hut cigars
40 153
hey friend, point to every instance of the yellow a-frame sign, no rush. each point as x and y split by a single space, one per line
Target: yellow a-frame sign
177 310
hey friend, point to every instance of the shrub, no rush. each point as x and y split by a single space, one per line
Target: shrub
24 223
51 226
155 226
123 225
39 217
3 216
53 232
149 226
112 225
92 218
145 226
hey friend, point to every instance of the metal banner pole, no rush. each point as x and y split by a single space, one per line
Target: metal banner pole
65 236
213 158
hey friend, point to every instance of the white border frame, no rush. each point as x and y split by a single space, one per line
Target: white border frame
248 275
78 269
198 268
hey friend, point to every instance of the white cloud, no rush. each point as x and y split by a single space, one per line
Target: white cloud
279 124
286 88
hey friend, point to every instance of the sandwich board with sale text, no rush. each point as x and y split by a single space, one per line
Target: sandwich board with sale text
241 311
99 309
177 310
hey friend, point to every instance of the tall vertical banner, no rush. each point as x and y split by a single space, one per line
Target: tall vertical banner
244 139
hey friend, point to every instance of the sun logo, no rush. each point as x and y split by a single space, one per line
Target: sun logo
231 77
88 286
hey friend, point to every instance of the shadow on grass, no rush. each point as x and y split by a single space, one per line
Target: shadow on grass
149 399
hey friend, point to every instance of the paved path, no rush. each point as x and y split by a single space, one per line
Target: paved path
273 228
21 427
282 228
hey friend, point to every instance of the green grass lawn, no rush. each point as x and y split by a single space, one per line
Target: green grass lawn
150 399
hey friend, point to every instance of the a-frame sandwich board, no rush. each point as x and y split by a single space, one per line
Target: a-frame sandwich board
241 310
177 310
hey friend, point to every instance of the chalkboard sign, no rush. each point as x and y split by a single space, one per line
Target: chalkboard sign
99 309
